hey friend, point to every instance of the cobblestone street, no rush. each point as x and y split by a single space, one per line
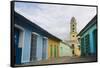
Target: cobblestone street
62 60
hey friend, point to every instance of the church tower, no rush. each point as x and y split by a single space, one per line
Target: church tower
73 29
73 37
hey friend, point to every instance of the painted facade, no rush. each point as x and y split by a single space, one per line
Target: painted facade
88 38
73 37
65 50
31 41
53 48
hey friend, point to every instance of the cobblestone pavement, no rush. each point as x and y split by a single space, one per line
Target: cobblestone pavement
62 60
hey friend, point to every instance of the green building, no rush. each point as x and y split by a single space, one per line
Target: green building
88 38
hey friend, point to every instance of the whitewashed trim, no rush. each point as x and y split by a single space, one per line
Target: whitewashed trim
45 38
35 33
21 36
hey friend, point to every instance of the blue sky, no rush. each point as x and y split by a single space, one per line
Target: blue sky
56 18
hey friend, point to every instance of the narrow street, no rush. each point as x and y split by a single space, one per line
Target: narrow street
62 60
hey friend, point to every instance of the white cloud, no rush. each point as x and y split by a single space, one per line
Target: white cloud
56 18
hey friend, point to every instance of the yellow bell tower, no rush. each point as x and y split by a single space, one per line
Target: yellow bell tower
73 29
73 37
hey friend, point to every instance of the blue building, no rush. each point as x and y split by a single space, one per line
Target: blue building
31 41
88 38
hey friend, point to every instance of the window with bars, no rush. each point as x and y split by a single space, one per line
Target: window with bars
44 48
33 47
87 44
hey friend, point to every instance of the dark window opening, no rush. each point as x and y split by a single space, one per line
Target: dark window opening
33 47
87 44
82 47
73 46
44 49
73 28
95 41
73 52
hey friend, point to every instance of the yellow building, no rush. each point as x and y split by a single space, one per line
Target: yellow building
73 37
53 47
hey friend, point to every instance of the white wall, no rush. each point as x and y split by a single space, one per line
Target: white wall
64 50
5 35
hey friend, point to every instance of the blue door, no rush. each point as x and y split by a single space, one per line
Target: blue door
18 50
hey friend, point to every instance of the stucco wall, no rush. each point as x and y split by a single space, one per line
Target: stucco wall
27 41
53 43
26 47
64 50
28 29
90 30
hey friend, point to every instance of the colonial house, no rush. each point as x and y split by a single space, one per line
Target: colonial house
88 38
65 49
31 42
53 47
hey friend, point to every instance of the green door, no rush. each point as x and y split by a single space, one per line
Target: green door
55 52
51 51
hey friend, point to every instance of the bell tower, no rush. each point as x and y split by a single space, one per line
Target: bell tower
73 35
73 29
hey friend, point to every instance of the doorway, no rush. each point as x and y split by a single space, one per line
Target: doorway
33 47
18 50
